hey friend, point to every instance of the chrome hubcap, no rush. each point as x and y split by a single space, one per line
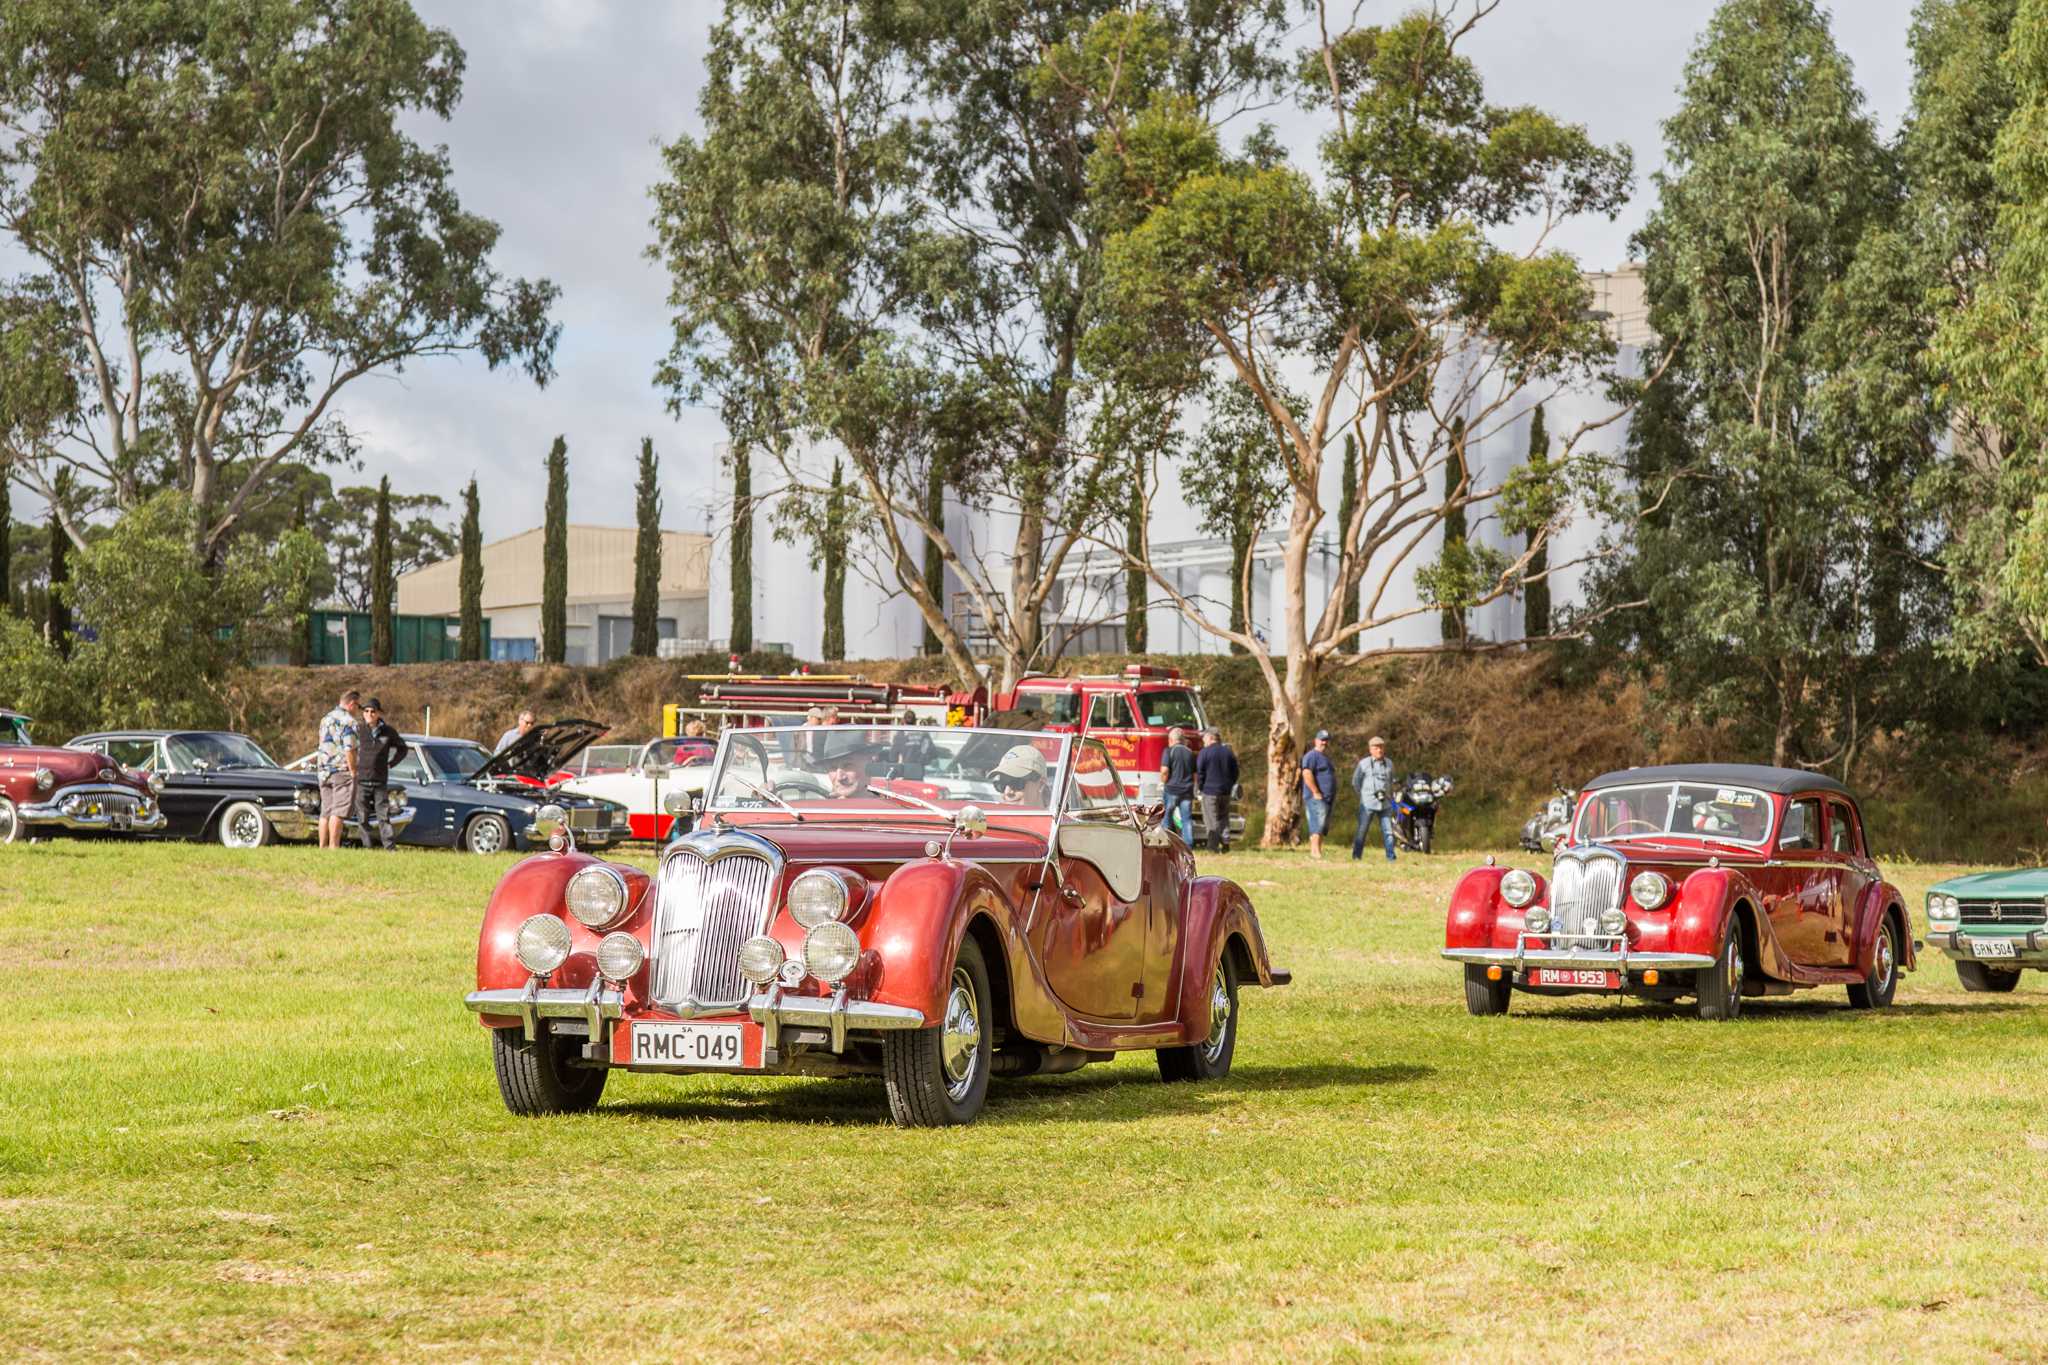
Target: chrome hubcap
1734 973
10 823
486 839
1884 959
1219 1015
960 1037
244 828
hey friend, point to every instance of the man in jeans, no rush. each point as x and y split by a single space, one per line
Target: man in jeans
1177 778
1373 780
337 764
1318 790
1216 779
380 748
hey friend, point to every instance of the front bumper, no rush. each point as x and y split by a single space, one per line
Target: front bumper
1611 953
94 807
773 1011
2030 947
295 822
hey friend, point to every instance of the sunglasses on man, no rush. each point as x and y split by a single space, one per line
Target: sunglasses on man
1003 782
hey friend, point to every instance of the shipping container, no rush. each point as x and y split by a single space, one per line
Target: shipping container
343 637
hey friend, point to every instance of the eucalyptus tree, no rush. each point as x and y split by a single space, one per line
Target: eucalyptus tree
224 200
1374 271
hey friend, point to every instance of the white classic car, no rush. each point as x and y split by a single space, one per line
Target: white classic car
646 782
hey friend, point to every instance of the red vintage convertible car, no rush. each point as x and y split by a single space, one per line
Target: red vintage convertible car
1710 880
47 790
932 906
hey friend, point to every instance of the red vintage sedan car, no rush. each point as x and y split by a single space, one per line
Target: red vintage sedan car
1716 881
932 906
47 790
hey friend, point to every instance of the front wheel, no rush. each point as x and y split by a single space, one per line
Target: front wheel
242 826
1484 997
487 833
1720 986
1425 834
1209 1060
1883 982
938 1077
10 822
536 1077
1975 976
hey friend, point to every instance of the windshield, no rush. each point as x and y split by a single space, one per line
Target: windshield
1059 707
605 758
886 770
13 730
189 752
1700 810
1172 707
455 760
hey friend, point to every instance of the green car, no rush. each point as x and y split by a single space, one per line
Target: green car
1994 924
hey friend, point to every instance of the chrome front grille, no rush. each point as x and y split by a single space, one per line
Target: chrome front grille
708 907
2028 914
1580 889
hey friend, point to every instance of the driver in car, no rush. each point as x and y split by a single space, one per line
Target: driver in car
847 775
1020 779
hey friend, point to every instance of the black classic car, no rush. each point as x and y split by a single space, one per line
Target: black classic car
464 796
221 785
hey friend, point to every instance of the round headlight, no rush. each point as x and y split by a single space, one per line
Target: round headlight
1537 921
596 895
830 952
1650 889
1941 907
817 897
1613 921
619 956
760 959
1518 888
45 779
542 944
156 784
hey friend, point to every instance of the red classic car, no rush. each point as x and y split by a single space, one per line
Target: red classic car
45 789
1710 880
933 906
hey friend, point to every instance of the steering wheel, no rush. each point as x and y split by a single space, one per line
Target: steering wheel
1650 826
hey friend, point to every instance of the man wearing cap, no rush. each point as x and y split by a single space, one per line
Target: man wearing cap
1216 776
1318 790
1373 780
381 746
846 773
1021 780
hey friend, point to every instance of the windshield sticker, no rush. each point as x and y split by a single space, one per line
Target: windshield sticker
1741 800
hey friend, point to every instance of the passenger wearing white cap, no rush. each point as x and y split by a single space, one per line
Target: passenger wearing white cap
1020 779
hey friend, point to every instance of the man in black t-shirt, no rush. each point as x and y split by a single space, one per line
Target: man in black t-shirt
1177 776
1216 778
381 747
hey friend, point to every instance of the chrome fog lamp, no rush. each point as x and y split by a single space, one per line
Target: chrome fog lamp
1650 889
817 897
1537 921
619 956
831 951
596 896
1518 888
1613 922
45 779
394 798
760 959
542 944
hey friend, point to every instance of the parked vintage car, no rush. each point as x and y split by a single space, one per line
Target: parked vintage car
1992 925
645 785
825 920
218 784
1710 880
473 799
46 790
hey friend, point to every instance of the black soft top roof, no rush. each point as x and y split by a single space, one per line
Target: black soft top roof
1783 781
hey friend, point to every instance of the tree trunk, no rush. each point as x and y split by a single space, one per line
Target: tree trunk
1019 642
1136 587
934 559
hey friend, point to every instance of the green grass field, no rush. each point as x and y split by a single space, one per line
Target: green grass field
243 1113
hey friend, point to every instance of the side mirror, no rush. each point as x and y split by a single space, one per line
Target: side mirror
971 821
680 804
551 823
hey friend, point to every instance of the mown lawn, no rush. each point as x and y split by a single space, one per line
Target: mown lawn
243 1113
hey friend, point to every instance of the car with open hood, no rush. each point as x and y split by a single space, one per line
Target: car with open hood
470 798
222 785
1714 881
1992 925
933 906
647 783
45 789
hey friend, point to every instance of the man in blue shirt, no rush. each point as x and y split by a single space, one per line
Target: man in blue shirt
1216 780
1318 790
1373 780
1177 780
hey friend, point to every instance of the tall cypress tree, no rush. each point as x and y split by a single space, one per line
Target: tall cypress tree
554 559
471 576
1454 523
6 544
1536 597
742 638
383 584
1346 506
934 560
57 624
302 608
833 646
647 553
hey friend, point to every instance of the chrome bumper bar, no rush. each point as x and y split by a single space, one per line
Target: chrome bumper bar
294 822
66 810
774 1010
532 1003
1617 958
1958 941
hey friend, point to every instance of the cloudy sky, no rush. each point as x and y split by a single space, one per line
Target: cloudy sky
566 105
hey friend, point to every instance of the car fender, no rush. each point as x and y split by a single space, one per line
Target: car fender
1702 906
1479 918
1219 918
1878 898
534 886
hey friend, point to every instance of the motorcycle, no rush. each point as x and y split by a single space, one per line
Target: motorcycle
1543 830
1415 806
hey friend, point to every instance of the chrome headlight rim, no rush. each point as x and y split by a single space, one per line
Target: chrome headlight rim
604 898
157 784
1944 907
45 779
1518 887
831 952
1613 922
761 959
1537 919
1649 889
542 943
834 906
620 956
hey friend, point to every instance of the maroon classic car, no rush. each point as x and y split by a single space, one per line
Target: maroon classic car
44 789
932 906
1710 880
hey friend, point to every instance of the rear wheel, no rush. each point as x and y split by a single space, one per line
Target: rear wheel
487 833
1209 1059
938 1077
1877 989
1975 976
1720 986
1486 997
536 1077
242 826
